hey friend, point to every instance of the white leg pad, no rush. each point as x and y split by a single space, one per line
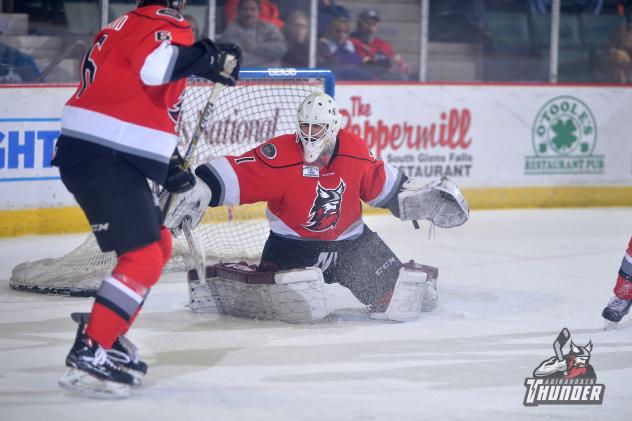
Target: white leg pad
295 296
415 292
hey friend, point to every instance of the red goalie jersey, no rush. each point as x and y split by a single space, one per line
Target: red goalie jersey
305 201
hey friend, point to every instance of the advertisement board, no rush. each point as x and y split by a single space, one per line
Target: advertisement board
505 145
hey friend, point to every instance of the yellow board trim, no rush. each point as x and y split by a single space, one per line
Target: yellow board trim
71 219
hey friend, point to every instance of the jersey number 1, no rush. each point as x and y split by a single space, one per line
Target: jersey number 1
89 66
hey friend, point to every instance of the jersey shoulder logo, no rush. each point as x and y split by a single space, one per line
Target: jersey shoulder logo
170 13
268 150
325 211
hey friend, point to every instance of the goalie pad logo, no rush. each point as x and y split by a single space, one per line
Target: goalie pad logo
325 211
565 378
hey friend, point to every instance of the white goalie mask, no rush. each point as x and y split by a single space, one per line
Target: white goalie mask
318 123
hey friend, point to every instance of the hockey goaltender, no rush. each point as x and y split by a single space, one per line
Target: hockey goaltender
314 182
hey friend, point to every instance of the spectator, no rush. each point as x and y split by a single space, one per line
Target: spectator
327 11
337 52
375 52
16 66
296 33
262 43
268 12
620 52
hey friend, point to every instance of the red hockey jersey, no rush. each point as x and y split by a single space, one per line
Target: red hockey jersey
304 201
112 106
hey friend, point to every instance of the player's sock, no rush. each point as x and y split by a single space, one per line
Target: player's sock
122 294
165 244
620 304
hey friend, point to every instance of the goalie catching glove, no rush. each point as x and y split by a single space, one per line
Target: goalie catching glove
440 202
190 205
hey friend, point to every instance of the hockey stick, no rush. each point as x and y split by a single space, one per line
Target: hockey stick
196 249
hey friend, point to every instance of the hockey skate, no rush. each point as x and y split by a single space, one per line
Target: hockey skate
92 373
615 310
123 352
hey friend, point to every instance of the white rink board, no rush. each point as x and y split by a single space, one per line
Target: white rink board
487 136
484 135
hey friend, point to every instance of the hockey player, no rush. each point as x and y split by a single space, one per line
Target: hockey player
117 132
620 304
314 182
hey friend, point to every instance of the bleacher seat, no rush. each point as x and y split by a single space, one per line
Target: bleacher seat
598 30
569 30
574 65
82 17
14 23
508 31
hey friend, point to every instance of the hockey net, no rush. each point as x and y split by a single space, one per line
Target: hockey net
261 106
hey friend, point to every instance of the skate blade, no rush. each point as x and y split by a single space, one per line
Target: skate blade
610 325
137 375
84 384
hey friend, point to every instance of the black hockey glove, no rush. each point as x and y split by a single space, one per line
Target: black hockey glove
220 70
178 179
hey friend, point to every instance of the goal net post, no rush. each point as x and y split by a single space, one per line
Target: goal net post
263 105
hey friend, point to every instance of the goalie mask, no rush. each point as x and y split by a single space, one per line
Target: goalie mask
177 5
318 123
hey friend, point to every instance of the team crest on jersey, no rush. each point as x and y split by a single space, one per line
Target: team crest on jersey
175 109
171 13
268 150
325 211
163 36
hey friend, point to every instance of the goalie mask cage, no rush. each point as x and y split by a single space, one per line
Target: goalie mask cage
264 104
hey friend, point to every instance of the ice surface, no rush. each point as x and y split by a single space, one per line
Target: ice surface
509 281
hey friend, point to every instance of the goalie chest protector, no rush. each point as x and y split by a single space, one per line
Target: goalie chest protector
306 201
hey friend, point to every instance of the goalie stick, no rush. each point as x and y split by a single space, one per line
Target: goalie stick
197 251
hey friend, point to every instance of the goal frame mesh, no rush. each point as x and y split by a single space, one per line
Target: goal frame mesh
73 275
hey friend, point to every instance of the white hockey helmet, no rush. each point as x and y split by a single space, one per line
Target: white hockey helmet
318 123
